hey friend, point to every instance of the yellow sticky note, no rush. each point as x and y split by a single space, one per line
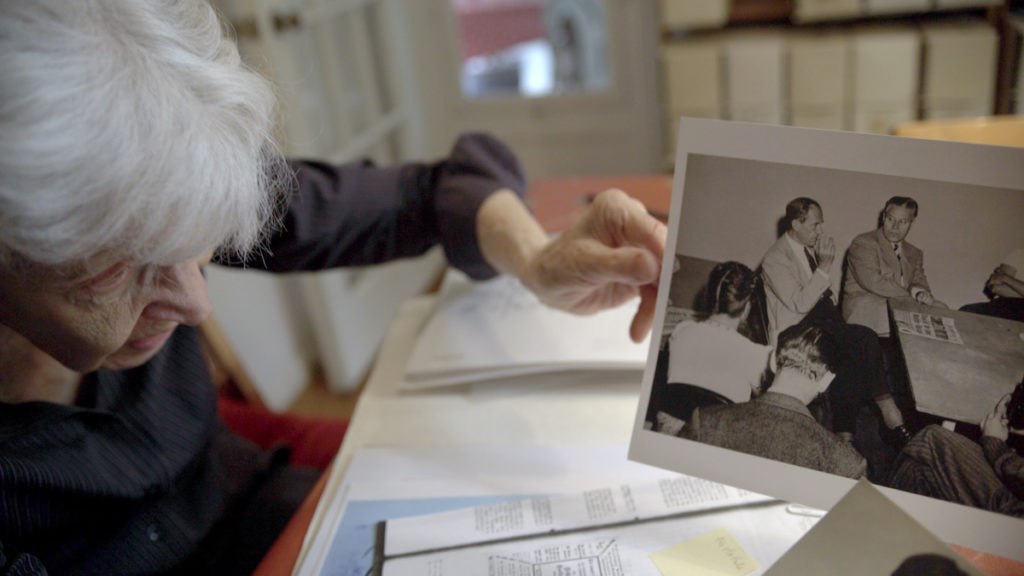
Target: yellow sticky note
716 553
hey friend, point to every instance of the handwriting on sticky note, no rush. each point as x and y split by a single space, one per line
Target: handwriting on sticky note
716 553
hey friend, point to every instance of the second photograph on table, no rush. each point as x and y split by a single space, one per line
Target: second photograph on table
835 306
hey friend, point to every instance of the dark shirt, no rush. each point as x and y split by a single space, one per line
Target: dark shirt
1006 463
131 478
775 426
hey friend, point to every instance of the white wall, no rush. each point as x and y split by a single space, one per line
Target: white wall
731 209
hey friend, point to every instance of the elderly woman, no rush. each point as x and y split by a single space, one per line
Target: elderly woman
136 148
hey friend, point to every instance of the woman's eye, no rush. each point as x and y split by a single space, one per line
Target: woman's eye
109 278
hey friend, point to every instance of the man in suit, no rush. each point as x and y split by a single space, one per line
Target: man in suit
881 265
796 270
798 290
777 424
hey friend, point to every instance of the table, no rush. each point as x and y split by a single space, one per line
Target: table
556 202
600 413
597 413
962 382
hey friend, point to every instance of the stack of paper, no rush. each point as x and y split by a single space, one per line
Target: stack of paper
756 69
810 10
611 530
820 80
887 64
959 70
692 83
497 329
694 14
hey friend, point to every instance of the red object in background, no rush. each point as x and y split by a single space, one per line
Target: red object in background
488 27
313 441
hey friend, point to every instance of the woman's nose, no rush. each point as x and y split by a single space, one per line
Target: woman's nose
182 296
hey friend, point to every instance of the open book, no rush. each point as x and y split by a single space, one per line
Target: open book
498 329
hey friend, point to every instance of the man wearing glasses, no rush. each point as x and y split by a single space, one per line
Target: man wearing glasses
881 264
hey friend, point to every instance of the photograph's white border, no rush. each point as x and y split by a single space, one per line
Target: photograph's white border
969 164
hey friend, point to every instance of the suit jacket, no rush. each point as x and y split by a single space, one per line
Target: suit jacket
790 290
873 276
775 426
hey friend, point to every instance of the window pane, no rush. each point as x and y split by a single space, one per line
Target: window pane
531 47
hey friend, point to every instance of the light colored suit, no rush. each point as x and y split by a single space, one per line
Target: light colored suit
791 291
873 276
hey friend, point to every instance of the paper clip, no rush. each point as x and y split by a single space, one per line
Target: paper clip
800 510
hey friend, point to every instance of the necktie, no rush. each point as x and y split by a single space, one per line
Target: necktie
811 259
899 260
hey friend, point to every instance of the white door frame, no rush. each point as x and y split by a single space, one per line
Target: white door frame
615 131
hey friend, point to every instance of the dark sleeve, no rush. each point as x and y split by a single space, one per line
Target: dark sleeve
14 564
1006 463
357 213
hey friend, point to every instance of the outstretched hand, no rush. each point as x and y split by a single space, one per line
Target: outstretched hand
995 423
611 254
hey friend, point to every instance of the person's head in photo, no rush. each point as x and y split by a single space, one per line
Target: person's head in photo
805 221
928 565
730 286
807 350
897 217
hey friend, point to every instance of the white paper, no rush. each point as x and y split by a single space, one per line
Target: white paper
547 515
765 533
865 533
941 328
497 329
398 474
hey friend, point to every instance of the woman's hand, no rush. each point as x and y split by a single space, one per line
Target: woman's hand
995 423
609 255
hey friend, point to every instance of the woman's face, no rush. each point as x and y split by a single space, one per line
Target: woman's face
116 316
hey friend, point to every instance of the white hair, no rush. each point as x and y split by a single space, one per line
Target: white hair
130 126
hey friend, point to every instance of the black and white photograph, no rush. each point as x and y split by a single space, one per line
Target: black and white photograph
866 534
839 306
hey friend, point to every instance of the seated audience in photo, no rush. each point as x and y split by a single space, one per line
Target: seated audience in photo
777 424
1005 289
987 474
798 291
881 265
709 360
711 353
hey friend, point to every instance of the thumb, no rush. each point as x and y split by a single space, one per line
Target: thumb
644 317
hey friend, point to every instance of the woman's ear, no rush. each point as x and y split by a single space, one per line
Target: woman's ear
746 311
825 380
